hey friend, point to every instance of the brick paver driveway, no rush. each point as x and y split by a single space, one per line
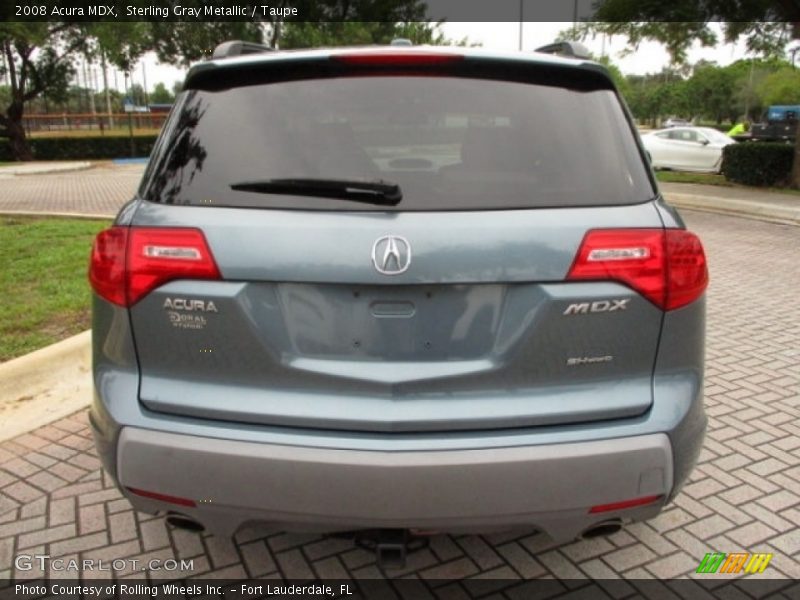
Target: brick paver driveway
100 190
744 495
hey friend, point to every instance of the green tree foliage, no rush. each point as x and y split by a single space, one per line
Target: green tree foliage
658 95
161 95
767 26
311 35
425 33
184 43
39 58
712 93
780 87
136 93
354 33
622 83
711 89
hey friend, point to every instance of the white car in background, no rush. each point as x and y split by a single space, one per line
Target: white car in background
686 148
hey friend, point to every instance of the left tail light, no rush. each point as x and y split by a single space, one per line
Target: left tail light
127 263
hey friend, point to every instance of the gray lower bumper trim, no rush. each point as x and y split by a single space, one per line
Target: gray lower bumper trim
238 481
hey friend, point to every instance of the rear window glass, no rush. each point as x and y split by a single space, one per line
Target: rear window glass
450 143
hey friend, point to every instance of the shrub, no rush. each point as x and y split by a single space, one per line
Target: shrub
72 148
763 164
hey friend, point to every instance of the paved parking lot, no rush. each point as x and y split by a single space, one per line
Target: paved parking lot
743 496
100 190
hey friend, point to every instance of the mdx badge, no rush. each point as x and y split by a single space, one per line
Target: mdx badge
599 306
391 255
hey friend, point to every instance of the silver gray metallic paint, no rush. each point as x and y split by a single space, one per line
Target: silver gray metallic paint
283 385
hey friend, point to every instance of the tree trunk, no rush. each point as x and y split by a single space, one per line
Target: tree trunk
16 133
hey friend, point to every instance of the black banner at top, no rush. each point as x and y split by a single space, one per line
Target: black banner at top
341 10
295 10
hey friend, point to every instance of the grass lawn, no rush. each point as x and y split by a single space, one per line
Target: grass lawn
712 179
78 133
685 177
43 266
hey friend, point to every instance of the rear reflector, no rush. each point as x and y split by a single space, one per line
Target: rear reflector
128 263
162 497
601 508
397 58
668 267
107 264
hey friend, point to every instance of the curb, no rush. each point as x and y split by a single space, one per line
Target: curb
784 215
45 385
6 172
46 214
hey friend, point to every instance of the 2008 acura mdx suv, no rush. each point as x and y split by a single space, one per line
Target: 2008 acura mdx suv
399 288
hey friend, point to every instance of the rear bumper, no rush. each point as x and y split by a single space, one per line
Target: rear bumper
550 487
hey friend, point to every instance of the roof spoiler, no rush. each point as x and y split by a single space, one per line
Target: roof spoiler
569 49
238 48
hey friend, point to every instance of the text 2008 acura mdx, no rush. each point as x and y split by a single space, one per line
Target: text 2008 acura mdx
399 288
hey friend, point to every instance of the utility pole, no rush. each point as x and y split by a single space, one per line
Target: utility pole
130 114
521 21
105 87
144 79
749 91
89 89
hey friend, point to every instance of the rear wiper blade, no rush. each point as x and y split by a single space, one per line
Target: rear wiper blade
383 193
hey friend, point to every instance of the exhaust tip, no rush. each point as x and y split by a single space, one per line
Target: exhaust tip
186 523
602 529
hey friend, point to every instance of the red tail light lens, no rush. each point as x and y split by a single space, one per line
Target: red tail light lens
634 257
128 263
397 58
156 256
107 264
687 271
668 267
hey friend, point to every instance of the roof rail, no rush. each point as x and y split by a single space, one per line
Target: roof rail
237 48
570 49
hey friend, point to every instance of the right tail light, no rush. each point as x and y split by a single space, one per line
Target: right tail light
666 266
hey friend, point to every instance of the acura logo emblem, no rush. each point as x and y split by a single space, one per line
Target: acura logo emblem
391 255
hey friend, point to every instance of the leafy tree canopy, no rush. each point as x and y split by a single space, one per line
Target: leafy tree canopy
39 56
766 25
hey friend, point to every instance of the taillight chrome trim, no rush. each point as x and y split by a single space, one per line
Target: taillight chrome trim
600 254
176 252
